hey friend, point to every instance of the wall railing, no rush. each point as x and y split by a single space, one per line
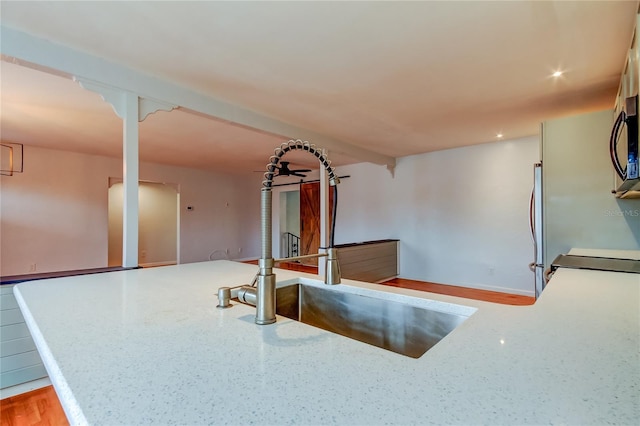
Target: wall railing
290 244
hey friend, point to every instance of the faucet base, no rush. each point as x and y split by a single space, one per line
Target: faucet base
332 270
266 300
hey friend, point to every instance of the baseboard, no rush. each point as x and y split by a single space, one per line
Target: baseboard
24 387
155 264
519 292
505 290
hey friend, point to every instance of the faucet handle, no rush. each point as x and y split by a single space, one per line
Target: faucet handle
224 298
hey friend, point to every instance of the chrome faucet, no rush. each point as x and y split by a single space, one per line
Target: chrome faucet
263 296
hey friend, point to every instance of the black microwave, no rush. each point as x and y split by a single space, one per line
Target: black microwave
628 118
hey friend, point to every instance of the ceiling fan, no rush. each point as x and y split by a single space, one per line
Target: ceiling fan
284 170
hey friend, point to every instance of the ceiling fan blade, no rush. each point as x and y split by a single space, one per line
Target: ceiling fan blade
295 173
301 170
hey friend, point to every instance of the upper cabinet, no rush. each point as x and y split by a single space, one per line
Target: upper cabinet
629 81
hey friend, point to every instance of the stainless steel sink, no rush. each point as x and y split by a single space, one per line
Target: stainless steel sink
398 327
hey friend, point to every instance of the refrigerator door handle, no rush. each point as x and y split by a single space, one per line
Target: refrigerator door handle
531 213
535 224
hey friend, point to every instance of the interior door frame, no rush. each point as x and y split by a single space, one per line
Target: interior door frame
176 187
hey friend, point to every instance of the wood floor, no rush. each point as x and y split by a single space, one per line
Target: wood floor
468 293
451 290
41 407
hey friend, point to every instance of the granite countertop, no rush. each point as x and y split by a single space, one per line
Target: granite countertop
148 346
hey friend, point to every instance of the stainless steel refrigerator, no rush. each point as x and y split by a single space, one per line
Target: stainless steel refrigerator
535 224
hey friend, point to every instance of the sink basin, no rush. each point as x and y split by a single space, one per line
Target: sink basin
398 327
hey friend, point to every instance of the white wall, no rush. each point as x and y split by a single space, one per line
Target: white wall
55 214
293 212
461 215
579 209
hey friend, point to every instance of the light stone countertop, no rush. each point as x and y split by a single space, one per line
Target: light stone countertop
148 346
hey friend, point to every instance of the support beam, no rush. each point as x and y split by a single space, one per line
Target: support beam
131 109
35 52
130 162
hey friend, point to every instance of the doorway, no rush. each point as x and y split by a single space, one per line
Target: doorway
158 223
310 219
290 223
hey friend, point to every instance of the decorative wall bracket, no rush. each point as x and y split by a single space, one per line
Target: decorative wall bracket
115 97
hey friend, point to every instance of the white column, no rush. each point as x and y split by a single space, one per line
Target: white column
130 180
131 109
324 216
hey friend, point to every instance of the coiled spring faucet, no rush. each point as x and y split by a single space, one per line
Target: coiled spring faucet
264 294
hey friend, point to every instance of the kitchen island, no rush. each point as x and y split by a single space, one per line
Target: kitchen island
149 346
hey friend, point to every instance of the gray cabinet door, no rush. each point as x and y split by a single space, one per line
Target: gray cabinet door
19 359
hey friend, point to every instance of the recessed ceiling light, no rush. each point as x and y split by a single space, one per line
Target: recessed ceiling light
557 74
499 135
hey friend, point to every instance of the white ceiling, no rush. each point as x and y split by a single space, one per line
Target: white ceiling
397 78
50 111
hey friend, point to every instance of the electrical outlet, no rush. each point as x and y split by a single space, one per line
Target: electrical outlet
143 253
33 267
226 251
239 249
